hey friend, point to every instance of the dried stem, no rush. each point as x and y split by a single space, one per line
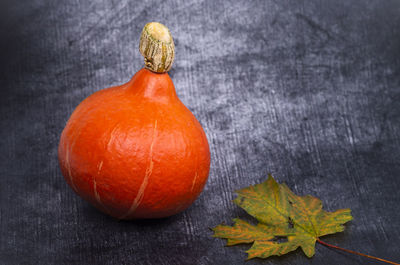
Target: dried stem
354 252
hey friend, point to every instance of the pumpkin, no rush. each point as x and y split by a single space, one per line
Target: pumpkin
135 151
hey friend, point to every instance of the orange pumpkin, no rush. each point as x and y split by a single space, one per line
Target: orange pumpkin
135 151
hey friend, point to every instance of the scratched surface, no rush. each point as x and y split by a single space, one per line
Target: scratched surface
306 90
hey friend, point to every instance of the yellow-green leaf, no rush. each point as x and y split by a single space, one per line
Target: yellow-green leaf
297 220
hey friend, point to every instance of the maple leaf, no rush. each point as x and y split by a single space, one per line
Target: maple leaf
300 220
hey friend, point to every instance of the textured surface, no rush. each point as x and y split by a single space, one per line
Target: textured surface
306 90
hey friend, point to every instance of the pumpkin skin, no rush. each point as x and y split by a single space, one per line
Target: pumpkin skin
135 151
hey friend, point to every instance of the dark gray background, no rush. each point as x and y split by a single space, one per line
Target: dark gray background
306 90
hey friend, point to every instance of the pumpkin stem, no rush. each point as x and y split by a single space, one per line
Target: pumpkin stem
157 47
